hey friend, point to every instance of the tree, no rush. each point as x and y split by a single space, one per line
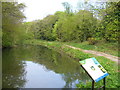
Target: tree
12 18
68 7
110 22
77 27
92 22
43 29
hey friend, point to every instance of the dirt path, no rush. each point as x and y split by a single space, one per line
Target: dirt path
111 57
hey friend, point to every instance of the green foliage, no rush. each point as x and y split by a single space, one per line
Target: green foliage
92 41
92 22
110 22
12 17
66 27
29 34
43 29
88 24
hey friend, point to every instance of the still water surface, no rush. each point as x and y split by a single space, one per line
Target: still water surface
40 67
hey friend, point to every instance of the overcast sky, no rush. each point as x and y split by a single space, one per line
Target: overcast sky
38 9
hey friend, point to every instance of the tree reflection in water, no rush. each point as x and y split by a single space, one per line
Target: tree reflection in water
13 73
14 63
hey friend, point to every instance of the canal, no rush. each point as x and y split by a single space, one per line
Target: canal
40 67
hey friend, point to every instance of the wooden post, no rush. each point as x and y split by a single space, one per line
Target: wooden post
104 83
93 82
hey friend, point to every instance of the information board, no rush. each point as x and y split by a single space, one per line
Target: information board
94 69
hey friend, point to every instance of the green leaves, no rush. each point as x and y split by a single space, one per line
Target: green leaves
12 17
100 22
110 22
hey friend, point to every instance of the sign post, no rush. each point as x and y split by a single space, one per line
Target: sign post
94 70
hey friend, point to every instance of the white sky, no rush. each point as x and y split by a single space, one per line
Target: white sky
38 9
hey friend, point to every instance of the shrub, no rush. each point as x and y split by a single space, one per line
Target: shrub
92 41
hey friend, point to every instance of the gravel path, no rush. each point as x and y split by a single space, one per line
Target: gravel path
111 57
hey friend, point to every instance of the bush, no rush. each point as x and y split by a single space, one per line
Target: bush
92 41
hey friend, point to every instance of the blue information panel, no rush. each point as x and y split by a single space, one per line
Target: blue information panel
94 69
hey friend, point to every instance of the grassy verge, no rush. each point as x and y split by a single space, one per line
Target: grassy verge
109 48
110 66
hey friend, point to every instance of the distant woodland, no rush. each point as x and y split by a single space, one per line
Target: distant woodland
87 23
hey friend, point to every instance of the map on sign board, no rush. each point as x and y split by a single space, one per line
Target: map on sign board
94 69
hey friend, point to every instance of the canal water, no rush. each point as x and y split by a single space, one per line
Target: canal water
40 67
